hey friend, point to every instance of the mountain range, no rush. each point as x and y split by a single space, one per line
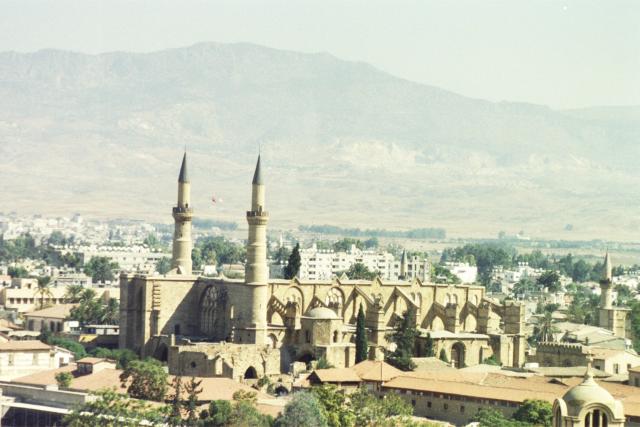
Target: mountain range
342 143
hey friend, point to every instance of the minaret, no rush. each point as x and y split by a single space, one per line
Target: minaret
605 283
403 265
182 214
256 269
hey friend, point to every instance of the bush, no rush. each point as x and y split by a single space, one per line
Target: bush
491 360
323 363
303 410
64 379
532 411
148 380
75 347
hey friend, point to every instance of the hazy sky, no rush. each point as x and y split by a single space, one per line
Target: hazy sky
560 53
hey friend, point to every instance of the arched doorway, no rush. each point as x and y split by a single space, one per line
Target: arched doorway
457 355
162 353
281 391
250 373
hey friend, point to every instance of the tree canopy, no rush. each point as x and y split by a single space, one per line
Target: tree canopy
145 379
404 336
100 269
216 250
362 345
292 269
304 409
359 271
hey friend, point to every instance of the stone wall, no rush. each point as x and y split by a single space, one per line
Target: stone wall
458 410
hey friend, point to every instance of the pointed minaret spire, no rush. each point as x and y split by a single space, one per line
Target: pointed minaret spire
184 176
257 175
606 297
182 215
256 268
607 269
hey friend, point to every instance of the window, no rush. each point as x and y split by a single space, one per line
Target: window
462 409
193 365
176 329
307 336
413 403
428 404
446 406
616 368
11 361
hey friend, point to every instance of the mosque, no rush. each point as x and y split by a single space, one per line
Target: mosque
588 405
257 326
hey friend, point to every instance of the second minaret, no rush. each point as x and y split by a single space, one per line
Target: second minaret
182 215
257 270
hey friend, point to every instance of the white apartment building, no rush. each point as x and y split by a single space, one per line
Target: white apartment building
130 259
463 271
316 264
19 358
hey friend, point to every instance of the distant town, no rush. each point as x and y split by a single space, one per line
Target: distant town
512 324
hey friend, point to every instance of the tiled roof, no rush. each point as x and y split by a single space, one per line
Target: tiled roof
509 389
335 375
60 311
212 388
92 360
373 370
24 346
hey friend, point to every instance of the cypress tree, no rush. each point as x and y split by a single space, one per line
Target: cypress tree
428 346
443 356
293 265
404 336
362 346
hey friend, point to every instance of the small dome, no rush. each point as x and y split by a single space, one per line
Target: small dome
585 393
322 313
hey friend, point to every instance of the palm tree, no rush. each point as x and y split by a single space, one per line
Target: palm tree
73 293
111 312
87 295
546 328
43 290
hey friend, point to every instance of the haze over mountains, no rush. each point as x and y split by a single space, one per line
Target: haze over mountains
343 143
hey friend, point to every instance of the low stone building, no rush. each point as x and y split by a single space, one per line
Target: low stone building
611 361
52 318
634 376
92 365
588 404
456 398
19 358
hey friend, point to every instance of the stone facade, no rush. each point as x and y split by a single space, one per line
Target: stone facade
220 326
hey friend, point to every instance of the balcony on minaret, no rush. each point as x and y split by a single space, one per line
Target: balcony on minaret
182 212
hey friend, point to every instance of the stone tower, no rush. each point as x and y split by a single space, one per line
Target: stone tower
257 270
588 405
611 318
182 214
605 283
403 265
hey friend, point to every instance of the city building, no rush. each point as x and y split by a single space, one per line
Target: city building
19 358
256 326
588 405
317 264
54 318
